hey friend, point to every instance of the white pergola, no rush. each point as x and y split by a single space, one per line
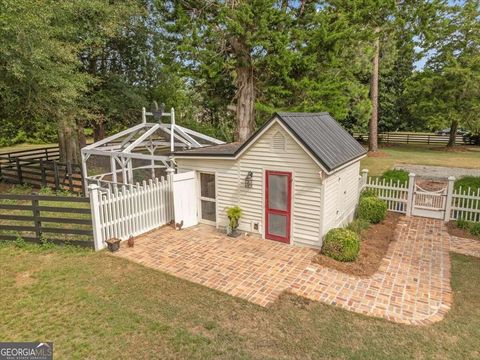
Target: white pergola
153 142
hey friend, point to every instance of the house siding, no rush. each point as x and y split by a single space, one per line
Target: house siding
265 154
340 197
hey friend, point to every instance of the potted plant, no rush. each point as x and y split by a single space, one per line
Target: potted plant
234 213
113 244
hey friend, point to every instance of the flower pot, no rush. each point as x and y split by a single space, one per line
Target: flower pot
113 244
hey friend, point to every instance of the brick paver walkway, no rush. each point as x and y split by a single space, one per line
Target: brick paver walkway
247 267
412 285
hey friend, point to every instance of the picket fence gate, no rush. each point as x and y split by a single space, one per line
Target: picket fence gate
410 199
131 210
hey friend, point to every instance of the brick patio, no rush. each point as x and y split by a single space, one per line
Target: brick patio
412 285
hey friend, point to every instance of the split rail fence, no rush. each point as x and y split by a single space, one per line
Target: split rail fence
41 168
39 218
130 210
411 138
408 198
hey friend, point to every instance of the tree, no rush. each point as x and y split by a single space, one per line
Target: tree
448 90
39 77
226 46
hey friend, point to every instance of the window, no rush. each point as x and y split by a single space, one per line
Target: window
207 197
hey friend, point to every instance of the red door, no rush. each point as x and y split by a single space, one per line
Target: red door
278 198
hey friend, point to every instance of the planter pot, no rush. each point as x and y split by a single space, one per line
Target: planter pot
113 244
234 233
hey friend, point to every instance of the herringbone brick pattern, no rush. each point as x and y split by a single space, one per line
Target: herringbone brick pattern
412 285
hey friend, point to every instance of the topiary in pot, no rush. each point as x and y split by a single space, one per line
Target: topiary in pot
341 244
234 214
372 209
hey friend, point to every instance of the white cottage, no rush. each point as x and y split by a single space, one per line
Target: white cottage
294 179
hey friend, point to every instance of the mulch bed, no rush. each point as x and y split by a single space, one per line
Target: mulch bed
373 248
453 230
378 153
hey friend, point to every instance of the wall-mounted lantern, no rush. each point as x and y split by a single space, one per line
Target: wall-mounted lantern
249 180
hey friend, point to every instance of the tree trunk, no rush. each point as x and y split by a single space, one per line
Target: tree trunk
98 130
68 140
373 125
82 139
245 106
453 134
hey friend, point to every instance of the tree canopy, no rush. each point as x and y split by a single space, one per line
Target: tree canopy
71 69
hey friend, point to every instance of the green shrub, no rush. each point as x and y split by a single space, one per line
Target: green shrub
341 244
395 176
368 193
372 209
358 225
472 182
475 229
463 224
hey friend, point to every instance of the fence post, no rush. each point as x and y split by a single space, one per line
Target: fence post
46 154
95 211
55 175
448 205
411 184
36 220
19 171
364 177
69 172
43 174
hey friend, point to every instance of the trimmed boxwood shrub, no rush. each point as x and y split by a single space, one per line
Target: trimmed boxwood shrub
372 209
368 193
395 175
341 244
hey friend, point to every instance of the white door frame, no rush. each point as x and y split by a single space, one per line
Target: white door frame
200 198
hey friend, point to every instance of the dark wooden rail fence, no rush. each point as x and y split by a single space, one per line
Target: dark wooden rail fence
41 168
411 138
43 222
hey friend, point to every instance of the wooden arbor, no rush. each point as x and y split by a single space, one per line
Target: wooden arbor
150 143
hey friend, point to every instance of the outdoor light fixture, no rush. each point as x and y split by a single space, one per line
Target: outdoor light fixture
249 180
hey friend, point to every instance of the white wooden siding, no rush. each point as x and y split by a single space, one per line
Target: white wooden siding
261 156
340 197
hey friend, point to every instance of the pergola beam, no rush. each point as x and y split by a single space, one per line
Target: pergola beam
120 154
116 136
197 134
141 138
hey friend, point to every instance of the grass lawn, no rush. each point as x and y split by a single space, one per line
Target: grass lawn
92 305
21 147
421 155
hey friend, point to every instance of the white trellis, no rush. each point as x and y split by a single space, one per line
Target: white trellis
153 143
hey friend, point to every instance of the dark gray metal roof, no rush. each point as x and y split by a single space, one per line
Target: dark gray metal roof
326 139
321 134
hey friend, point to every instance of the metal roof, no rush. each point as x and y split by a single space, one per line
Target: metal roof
321 134
326 139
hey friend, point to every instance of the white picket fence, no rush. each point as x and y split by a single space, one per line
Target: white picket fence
465 205
410 199
395 194
130 211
